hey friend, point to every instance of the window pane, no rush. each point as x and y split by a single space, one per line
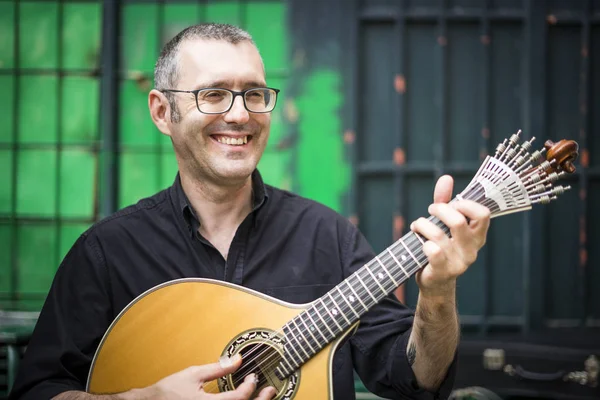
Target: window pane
80 109
36 182
81 36
7 37
38 38
77 183
38 104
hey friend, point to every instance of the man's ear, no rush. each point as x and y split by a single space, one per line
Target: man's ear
160 112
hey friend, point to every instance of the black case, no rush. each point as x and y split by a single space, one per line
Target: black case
552 366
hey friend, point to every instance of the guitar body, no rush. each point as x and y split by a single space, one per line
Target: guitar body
194 322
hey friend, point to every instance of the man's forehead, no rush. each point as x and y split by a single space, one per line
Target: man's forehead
217 60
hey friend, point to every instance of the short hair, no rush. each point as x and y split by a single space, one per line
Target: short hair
166 70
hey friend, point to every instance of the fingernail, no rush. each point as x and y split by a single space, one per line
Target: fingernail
225 362
251 378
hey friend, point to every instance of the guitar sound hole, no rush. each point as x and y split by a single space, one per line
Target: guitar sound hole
261 359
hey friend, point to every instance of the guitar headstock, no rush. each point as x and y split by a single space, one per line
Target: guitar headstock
514 179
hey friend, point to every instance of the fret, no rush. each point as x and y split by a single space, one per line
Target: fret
322 319
387 271
305 340
289 367
410 252
365 286
338 307
347 302
315 325
357 297
309 330
375 279
400 265
419 237
330 314
294 348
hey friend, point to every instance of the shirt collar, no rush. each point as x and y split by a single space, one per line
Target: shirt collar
259 192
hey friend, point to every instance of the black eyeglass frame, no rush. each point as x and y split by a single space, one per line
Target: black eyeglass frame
234 94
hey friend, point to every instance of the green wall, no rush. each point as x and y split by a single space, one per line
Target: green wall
50 158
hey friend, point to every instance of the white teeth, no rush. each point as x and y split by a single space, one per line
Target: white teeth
233 141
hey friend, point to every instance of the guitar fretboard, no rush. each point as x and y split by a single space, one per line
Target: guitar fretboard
341 307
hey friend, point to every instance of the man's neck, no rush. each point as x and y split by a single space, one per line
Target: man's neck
218 207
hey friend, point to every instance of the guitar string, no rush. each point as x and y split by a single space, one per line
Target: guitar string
360 292
472 195
469 196
329 320
276 355
385 259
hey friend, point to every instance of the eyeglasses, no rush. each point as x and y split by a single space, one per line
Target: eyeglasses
219 101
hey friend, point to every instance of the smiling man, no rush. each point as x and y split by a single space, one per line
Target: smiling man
220 221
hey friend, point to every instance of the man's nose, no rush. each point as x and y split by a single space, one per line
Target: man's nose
238 113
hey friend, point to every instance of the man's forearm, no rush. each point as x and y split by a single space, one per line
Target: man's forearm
135 394
434 338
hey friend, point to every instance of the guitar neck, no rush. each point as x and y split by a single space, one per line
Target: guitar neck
336 311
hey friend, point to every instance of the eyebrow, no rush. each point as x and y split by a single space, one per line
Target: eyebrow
228 84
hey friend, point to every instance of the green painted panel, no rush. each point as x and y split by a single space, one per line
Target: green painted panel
592 270
138 176
422 118
36 186
177 17
78 183
6 172
7 37
375 95
594 111
81 36
37 257
226 12
5 255
68 235
169 169
322 170
266 22
140 45
38 109
275 168
562 266
80 109
136 126
506 97
7 109
278 138
465 83
38 38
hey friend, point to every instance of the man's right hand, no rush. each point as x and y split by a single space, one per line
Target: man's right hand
187 384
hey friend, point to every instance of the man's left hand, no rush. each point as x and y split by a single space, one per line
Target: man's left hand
450 257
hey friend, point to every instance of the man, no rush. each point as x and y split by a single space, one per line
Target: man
220 221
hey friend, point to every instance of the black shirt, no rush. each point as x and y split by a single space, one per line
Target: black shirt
288 247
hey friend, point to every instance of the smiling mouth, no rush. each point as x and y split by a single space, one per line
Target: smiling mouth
232 141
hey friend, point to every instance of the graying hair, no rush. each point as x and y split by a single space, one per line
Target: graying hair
166 70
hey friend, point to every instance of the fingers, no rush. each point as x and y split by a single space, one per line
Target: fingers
242 392
216 370
478 214
267 393
245 390
443 189
452 218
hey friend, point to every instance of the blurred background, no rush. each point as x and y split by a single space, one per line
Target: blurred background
379 98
